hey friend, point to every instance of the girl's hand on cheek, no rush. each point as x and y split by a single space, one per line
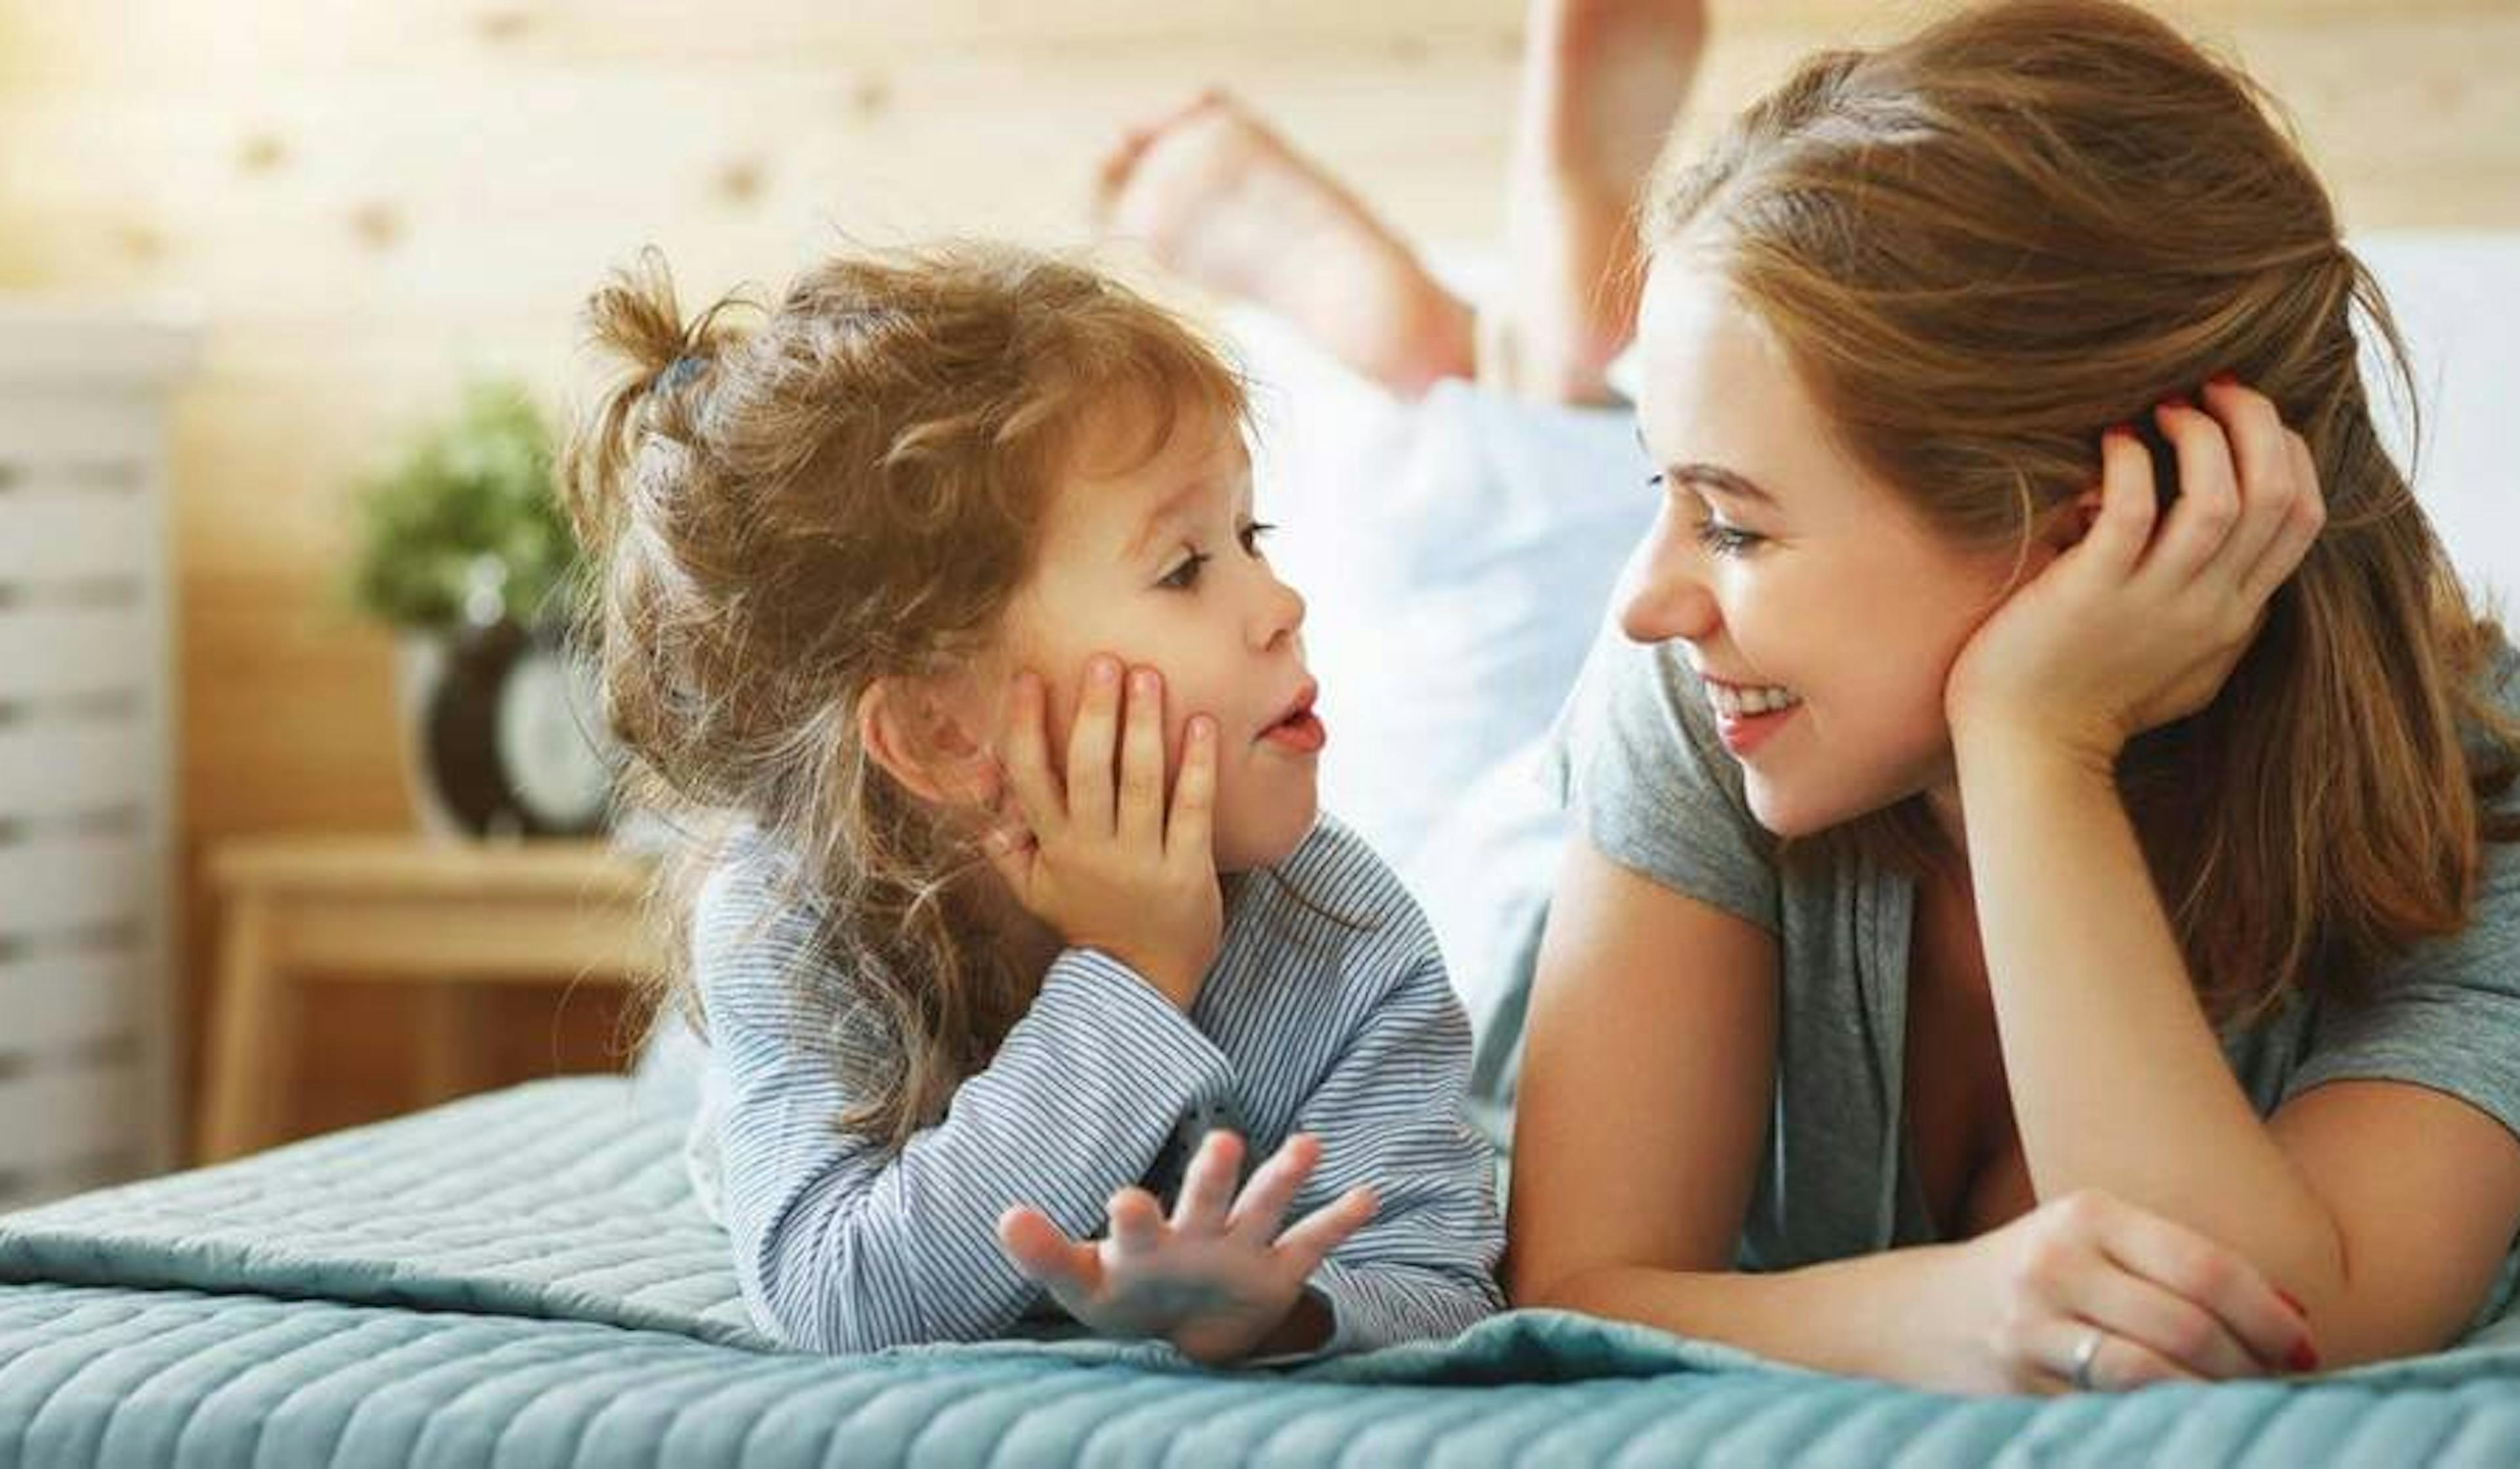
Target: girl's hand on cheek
2139 622
1105 864
1220 1279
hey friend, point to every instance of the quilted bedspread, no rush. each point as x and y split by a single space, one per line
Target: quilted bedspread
524 1278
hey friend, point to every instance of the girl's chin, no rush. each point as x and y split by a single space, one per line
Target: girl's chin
1270 843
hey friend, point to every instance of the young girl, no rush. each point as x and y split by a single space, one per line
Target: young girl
2042 917
943 586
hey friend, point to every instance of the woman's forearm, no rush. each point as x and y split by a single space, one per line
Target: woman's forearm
1870 1316
2117 1080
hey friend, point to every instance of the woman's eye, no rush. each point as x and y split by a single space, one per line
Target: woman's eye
1253 534
1183 576
1725 540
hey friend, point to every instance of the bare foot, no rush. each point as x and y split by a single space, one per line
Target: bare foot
1602 81
1225 203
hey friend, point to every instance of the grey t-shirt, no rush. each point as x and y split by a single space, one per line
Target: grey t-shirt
1636 762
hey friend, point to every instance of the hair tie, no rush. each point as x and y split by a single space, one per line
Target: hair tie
679 371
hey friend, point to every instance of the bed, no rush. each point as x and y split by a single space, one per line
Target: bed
525 1279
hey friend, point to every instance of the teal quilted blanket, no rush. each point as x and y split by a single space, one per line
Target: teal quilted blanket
523 1280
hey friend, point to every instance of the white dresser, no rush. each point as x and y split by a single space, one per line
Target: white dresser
88 704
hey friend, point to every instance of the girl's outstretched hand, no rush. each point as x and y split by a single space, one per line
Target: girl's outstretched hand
1105 864
1218 1279
2138 625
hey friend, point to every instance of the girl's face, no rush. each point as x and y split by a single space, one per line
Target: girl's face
1160 564
1800 585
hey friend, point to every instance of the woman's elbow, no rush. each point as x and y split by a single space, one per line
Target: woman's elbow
1530 1286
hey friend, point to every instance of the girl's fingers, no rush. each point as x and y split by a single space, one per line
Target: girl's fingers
1028 776
1011 851
1137 1223
1189 831
1140 819
2187 1335
1310 1239
1092 742
2303 518
2196 1269
1263 1205
2201 519
2128 506
1046 1256
1207 1184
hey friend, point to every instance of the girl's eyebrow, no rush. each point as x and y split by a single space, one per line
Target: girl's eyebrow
1161 516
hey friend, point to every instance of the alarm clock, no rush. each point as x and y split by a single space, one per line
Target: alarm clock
511 738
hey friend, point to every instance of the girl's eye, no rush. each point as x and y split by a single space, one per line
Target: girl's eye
1253 534
1184 576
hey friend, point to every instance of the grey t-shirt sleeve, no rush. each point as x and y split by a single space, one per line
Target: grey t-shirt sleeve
2448 1014
1635 761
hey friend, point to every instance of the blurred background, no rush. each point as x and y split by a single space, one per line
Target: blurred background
264 268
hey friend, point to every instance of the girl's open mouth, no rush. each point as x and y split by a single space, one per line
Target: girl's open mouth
1299 730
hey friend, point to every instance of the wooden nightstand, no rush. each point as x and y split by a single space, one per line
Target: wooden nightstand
297 911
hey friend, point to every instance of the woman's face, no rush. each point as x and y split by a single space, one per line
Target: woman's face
1822 613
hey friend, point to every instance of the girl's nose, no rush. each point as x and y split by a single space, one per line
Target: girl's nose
1280 616
1661 596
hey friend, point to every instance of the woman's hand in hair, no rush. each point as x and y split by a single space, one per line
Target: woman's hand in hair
1220 1279
2139 620
2129 1297
1109 863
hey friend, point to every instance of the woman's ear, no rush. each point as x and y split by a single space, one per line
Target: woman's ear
911 730
2066 524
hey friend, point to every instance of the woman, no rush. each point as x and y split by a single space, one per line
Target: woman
2024 934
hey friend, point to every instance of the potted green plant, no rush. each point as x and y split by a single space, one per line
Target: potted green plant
462 549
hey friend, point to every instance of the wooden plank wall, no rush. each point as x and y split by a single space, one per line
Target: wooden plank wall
367 201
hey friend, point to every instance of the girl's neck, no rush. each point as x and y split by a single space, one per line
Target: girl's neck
1031 944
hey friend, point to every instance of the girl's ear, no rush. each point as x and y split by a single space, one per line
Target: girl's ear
925 743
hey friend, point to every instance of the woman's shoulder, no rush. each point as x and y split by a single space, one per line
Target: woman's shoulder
2497 686
2500 682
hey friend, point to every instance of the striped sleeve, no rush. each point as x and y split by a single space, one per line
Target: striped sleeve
1391 1117
841 1246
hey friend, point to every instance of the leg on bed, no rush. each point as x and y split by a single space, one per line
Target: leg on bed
1603 82
1219 199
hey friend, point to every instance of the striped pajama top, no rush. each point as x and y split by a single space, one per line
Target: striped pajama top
1346 1030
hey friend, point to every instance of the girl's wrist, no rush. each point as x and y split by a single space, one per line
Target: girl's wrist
1304 1329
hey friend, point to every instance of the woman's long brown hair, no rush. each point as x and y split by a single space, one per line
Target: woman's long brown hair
1980 245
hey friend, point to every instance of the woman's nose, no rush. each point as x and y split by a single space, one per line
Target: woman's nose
1661 596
